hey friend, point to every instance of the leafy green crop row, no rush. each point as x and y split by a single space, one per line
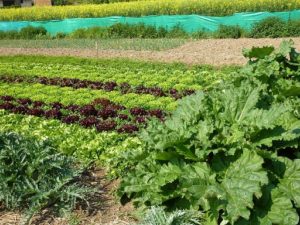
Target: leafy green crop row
122 64
90 73
178 80
85 144
142 8
134 73
66 96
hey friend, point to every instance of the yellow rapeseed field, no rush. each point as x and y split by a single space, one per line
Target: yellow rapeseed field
150 7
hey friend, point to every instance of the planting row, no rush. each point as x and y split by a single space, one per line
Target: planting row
123 88
101 114
142 8
71 139
83 96
165 78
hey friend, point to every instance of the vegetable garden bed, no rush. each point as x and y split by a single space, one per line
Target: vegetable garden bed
224 141
102 103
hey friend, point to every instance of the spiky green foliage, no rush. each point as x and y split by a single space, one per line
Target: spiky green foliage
34 176
231 151
158 216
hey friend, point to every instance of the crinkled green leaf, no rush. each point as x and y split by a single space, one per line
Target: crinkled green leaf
195 180
289 87
239 103
290 183
279 136
258 53
282 211
283 196
243 180
285 47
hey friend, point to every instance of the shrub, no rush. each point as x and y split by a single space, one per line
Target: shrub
162 32
34 176
60 35
119 30
12 35
201 34
229 32
32 32
9 34
272 27
232 151
293 28
133 31
25 33
177 32
90 33
122 31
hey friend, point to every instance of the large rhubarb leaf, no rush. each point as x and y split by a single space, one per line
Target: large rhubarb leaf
238 104
243 180
285 195
282 211
290 183
258 53
195 182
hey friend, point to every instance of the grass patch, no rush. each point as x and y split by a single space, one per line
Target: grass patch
103 44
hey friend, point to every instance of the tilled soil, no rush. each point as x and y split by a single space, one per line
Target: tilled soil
218 52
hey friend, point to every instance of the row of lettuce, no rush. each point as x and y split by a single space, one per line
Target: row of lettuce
93 108
179 77
143 8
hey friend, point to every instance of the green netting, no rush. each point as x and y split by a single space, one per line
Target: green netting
190 23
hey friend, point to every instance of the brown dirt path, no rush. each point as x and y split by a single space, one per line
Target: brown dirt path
216 52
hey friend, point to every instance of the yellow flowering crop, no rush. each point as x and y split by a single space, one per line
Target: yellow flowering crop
148 7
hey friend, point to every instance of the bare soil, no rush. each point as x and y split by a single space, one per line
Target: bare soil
218 52
104 207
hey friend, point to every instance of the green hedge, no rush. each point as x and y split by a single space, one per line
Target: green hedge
270 27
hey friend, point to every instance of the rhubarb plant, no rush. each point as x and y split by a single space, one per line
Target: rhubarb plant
231 152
